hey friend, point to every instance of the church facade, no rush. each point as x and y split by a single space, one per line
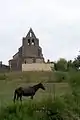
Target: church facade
30 52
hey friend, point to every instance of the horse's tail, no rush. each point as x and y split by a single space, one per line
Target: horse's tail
15 94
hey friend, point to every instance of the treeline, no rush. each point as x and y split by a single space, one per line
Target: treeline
64 65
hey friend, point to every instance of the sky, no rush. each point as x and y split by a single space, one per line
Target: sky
55 22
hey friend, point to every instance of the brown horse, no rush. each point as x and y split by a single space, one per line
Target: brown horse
29 91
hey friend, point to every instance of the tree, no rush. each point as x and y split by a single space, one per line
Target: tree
55 66
76 62
69 65
61 65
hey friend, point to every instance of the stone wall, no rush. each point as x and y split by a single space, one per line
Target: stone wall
37 67
28 60
39 60
33 60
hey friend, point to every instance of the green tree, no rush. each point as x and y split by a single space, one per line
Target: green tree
61 65
70 65
76 62
55 66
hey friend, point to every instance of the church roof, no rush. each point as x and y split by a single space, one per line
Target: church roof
31 33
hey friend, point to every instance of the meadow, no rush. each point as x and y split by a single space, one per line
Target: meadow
59 85
10 81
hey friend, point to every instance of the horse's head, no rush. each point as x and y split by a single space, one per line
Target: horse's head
41 86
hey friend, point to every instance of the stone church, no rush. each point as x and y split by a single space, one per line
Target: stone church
29 52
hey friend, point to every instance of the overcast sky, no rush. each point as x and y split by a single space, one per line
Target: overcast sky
55 22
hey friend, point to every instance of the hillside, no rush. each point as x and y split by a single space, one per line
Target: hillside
34 76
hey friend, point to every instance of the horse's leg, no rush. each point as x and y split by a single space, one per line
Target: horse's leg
21 98
17 97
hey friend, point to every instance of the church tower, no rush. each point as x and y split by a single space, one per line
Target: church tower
29 52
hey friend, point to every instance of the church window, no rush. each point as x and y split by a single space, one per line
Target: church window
28 41
33 43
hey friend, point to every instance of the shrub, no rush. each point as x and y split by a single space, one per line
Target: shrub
60 76
47 109
3 77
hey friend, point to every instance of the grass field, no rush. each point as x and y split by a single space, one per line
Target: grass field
34 76
7 89
43 99
10 81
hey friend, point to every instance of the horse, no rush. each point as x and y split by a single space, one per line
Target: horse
29 91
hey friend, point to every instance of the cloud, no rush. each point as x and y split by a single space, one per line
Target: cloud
55 22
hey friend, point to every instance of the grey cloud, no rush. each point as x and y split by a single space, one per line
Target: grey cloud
55 22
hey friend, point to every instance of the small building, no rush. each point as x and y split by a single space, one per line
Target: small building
30 52
4 68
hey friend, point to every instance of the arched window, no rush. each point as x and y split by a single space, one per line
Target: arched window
28 41
33 43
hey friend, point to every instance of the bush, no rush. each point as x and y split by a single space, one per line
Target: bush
74 82
3 77
60 76
47 109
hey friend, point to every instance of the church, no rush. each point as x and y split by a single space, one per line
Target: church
30 52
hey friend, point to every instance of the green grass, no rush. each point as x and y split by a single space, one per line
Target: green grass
66 104
10 81
7 89
32 110
34 76
46 109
